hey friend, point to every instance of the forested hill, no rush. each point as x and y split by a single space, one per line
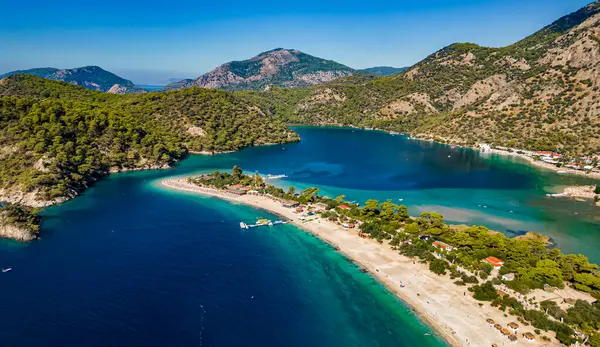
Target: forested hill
278 67
382 70
90 77
57 138
539 93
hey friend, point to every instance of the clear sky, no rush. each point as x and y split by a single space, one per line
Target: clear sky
150 41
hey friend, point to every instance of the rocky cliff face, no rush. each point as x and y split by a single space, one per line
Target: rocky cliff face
279 67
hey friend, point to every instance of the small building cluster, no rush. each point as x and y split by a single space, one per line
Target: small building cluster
510 333
585 163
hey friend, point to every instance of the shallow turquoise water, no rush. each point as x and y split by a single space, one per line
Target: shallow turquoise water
130 263
502 193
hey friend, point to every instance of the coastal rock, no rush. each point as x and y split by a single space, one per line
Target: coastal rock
32 199
12 231
140 168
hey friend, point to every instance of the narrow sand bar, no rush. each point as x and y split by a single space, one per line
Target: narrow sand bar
448 308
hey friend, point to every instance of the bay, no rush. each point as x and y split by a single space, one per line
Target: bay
131 263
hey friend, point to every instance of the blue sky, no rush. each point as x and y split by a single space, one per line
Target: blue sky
150 41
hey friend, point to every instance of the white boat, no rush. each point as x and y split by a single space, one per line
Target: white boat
243 225
561 172
559 195
7 270
273 177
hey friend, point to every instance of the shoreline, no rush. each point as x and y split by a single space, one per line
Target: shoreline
544 165
530 160
455 317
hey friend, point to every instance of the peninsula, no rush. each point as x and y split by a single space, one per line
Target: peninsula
474 286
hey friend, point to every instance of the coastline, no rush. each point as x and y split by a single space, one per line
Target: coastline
419 137
447 308
541 164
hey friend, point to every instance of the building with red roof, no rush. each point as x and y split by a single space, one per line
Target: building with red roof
442 245
495 262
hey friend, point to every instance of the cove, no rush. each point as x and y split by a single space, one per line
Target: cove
129 263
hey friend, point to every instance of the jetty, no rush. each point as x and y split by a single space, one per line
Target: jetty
262 222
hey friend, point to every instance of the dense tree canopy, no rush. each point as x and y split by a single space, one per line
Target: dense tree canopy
57 138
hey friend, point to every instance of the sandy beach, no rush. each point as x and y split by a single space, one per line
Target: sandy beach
449 309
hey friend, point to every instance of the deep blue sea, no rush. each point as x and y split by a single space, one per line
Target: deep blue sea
130 263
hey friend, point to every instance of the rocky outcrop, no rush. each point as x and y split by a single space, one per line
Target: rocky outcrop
141 167
481 90
18 224
32 198
15 232
119 89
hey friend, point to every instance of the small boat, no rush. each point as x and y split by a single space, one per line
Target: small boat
400 199
559 195
7 270
427 334
273 177
561 172
243 225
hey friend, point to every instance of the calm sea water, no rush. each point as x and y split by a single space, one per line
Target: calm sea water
149 87
130 263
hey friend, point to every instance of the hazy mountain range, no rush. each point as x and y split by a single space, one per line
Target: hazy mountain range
91 77
278 67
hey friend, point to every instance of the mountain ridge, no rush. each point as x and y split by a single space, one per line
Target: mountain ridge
277 67
91 77
538 93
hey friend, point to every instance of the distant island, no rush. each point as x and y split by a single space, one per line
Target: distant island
526 291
